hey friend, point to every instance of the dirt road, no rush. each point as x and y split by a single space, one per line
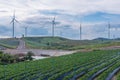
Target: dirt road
21 45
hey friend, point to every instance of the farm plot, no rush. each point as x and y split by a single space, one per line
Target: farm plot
9 43
81 66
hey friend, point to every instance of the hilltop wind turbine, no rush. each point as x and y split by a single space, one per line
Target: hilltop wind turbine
13 24
109 27
53 26
80 32
26 31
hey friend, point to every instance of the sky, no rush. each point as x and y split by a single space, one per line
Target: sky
37 15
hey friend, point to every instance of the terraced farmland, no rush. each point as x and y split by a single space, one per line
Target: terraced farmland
81 66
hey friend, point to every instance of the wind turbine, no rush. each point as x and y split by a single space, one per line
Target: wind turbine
13 24
80 32
53 26
109 26
26 31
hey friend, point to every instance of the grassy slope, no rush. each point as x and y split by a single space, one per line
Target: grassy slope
67 44
9 43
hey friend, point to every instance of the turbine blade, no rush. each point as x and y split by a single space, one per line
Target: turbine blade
17 21
11 21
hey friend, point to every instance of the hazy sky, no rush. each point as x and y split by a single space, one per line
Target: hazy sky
94 16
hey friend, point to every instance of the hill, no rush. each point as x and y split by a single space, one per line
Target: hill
54 42
9 43
59 43
101 38
67 44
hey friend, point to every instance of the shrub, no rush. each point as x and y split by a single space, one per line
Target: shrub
29 56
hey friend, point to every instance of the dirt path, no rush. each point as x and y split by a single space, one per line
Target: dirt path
110 48
38 52
21 45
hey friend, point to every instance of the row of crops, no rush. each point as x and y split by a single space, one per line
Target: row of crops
97 65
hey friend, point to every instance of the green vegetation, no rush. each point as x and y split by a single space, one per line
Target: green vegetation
118 76
6 58
64 67
9 43
109 70
46 42
29 56
67 44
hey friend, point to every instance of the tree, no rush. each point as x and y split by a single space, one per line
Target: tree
29 55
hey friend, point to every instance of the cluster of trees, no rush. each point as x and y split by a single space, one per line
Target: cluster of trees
8 58
28 56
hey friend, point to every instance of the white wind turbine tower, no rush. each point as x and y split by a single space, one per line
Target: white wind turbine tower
80 32
13 24
109 27
53 27
26 31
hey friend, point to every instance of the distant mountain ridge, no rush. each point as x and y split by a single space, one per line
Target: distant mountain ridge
101 38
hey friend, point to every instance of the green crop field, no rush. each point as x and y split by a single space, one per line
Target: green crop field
9 43
67 44
81 66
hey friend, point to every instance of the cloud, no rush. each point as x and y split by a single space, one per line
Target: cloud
81 7
38 14
2 11
38 31
52 12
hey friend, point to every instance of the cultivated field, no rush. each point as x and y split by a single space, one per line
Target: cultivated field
85 60
95 65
